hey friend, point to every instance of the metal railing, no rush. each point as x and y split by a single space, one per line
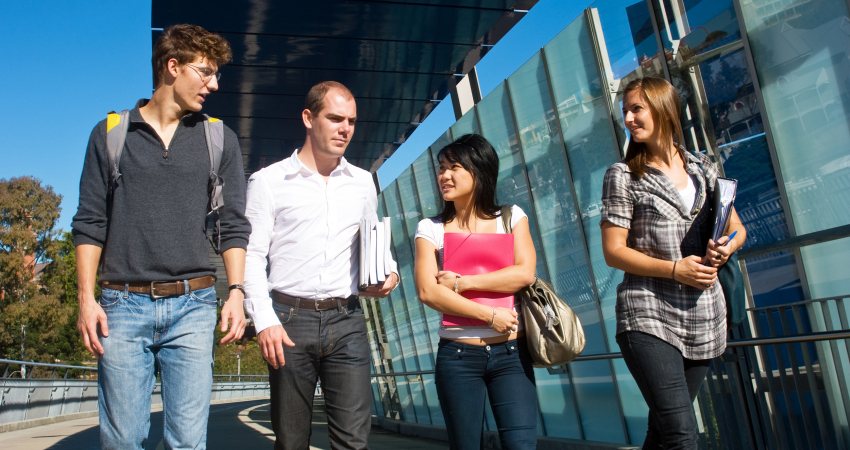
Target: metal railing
783 386
34 390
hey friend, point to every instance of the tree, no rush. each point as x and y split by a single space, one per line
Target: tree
59 278
28 213
37 313
40 329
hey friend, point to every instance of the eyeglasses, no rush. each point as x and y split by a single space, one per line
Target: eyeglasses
205 73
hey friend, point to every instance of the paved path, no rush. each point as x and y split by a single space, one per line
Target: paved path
243 425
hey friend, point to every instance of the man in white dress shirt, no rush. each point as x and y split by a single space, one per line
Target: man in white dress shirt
304 213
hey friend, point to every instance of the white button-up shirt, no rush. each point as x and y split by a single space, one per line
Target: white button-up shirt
307 230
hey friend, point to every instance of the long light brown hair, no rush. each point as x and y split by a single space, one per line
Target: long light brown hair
663 102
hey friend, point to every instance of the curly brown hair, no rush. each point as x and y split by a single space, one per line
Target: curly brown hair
185 42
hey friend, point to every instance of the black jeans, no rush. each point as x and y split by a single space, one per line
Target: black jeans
332 346
467 374
669 383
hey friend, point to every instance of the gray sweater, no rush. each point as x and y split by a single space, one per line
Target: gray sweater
153 227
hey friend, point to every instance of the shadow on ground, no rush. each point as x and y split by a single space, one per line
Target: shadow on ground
225 430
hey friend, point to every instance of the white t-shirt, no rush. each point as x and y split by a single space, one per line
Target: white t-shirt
432 230
689 193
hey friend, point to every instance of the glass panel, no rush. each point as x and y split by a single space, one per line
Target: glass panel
592 146
597 399
407 290
820 262
555 214
635 411
466 125
800 50
742 146
631 43
438 145
556 395
416 311
732 99
426 185
712 24
399 333
430 387
408 412
497 125
774 278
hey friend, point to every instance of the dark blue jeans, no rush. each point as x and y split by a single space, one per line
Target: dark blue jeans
467 374
669 383
332 346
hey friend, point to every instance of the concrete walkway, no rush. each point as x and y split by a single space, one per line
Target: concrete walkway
232 425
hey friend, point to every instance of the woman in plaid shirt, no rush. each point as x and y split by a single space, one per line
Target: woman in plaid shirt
656 222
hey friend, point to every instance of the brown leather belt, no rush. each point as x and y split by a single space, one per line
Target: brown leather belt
307 303
160 289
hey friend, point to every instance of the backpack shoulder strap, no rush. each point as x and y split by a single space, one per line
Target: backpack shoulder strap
214 130
117 124
506 218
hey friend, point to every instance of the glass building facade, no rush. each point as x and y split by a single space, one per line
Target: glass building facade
765 86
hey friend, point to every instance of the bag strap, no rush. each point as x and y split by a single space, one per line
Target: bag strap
506 218
507 211
116 133
214 131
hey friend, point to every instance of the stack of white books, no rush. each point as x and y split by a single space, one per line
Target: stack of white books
376 261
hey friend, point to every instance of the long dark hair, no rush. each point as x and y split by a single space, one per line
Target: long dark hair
476 155
663 102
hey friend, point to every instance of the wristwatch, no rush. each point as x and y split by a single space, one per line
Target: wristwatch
241 287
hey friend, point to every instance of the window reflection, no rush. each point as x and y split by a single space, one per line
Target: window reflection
801 51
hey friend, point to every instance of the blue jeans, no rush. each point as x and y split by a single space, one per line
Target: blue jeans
173 334
332 346
467 374
669 383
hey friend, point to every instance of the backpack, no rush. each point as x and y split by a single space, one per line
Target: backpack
116 133
553 331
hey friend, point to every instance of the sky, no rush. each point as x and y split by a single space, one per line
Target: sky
66 67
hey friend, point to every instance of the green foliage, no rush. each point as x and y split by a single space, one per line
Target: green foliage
28 213
60 276
226 362
45 326
37 315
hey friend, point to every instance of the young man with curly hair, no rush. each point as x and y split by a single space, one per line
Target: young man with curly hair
144 232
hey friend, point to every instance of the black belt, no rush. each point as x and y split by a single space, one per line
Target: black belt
321 304
160 289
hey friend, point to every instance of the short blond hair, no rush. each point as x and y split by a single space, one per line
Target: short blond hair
316 95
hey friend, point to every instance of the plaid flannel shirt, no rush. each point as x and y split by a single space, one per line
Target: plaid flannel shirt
661 226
